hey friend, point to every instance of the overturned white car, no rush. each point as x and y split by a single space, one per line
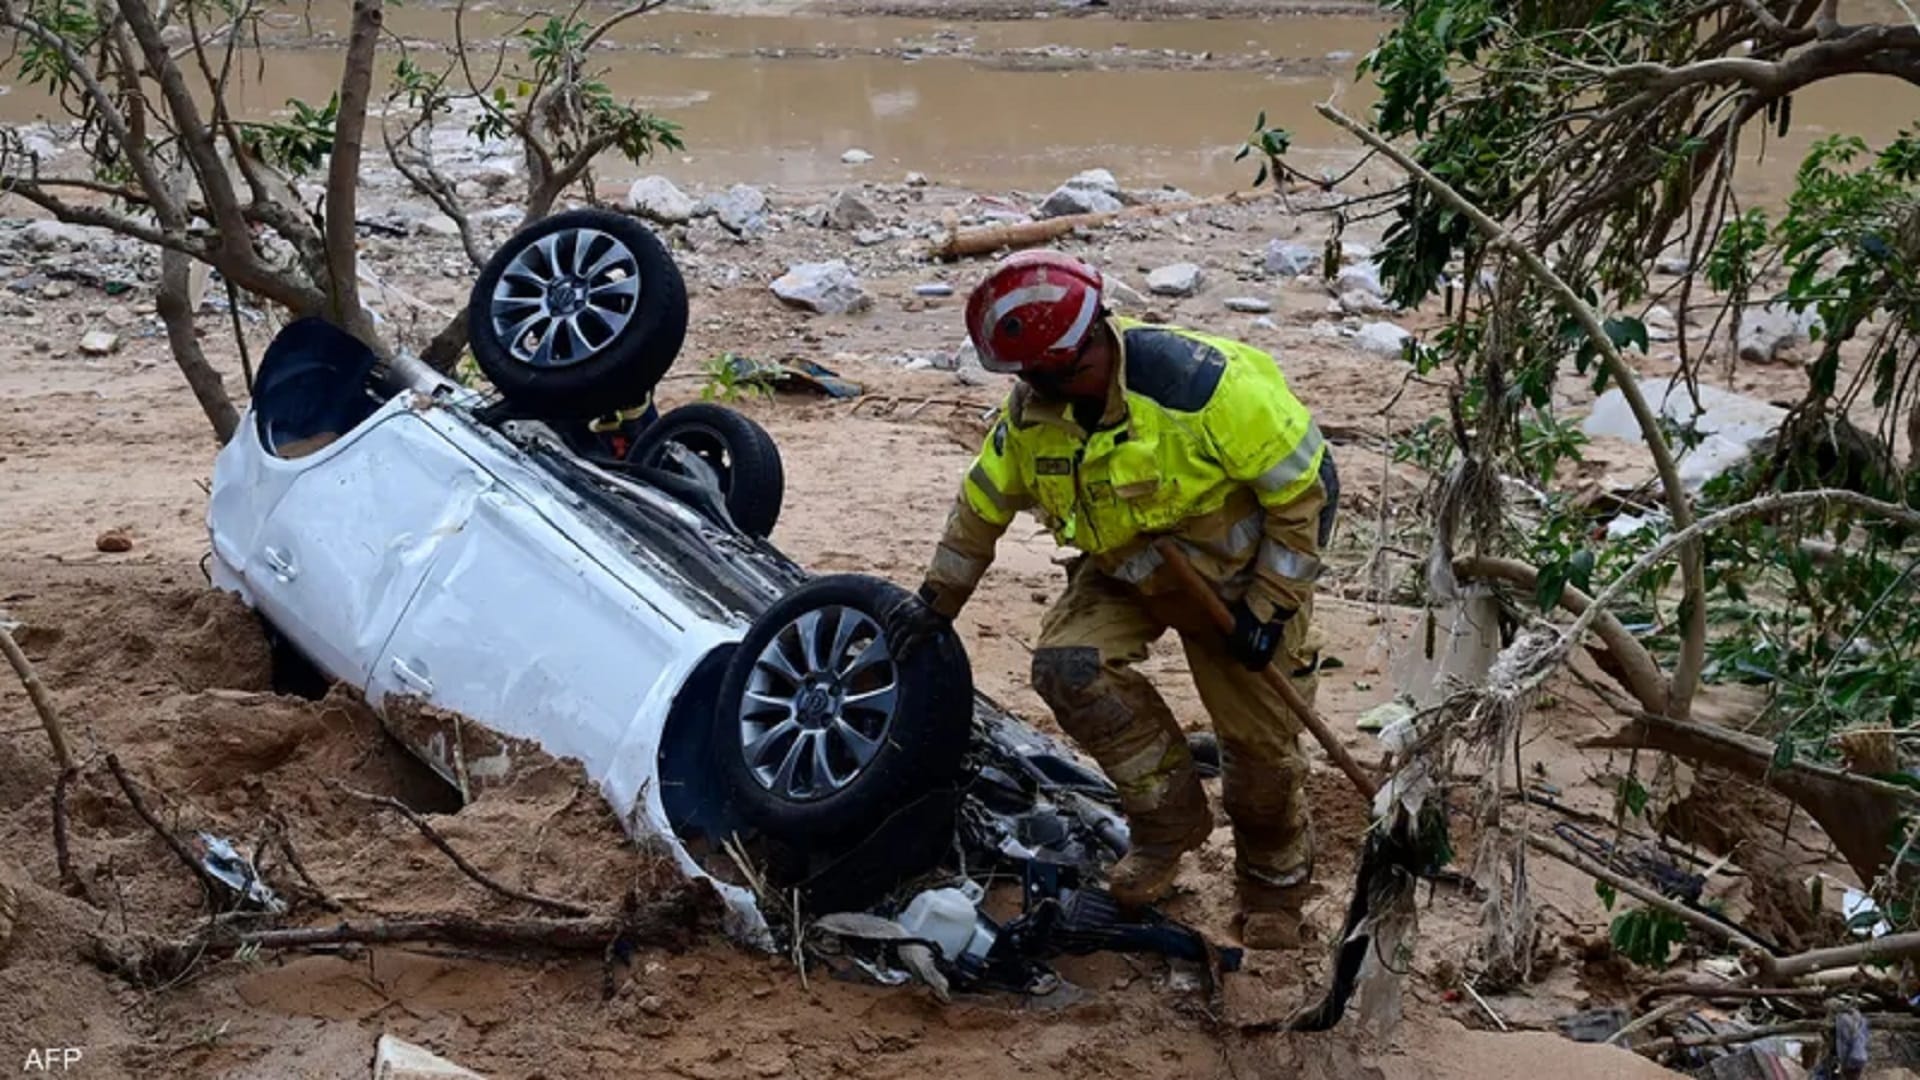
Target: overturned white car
493 558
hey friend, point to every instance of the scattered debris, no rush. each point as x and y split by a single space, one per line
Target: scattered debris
438 225
1383 716
1594 1025
99 343
1358 287
1382 339
1673 265
226 865
54 235
802 375
1732 425
397 1059
915 179
1289 259
1122 295
1660 323
1180 279
933 288
826 288
848 213
658 199
856 157
1248 305
113 542
1094 191
56 290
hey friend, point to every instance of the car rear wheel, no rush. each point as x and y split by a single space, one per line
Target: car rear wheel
578 315
840 707
740 454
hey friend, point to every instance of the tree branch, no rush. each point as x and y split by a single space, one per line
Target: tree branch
1706 925
593 36
1686 674
343 171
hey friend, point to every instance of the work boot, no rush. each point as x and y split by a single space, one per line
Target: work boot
1147 872
1272 917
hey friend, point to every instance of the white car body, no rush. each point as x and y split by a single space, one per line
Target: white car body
486 586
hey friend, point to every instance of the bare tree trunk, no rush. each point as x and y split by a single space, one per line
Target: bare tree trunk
343 172
175 306
447 345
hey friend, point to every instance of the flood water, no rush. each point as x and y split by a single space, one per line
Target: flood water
777 98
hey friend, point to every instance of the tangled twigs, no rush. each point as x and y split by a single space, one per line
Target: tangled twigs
1640 892
1880 950
213 885
285 843
37 693
669 920
1879 1021
564 907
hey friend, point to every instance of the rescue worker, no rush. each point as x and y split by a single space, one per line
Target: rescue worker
1118 433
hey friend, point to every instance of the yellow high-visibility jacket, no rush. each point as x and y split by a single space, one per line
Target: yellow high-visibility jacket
1201 440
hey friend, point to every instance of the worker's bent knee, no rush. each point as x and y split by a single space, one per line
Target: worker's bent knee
1066 678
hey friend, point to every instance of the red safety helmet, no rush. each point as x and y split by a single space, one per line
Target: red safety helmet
1033 312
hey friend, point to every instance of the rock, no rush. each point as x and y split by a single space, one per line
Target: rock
1660 324
1354 251
1360 302
53 235
57 290
741 210
915 179
656 198
933 288
1382 339
1676 265
1248 305
1290 260
99 343
1264 323
439 225
847 212
871 237
827 288
856 157
397 1059
113 542
1770 331
1167 194
1092 192
1732 425
1180 279
1362 277
1339 56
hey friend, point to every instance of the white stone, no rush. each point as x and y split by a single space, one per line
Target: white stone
828 288
1264 323
49 235
933 288
659 199
856 157
871 237
1122 295
1731 424
1360 277
1382 339
848 212
1180 279
1660 324
915 179
1767 332
439 225
1290 260
1248 305
397 1059
99 342
1094 191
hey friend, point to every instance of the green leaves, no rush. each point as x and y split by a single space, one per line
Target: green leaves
1646 936
1271 143
299 144
1624 330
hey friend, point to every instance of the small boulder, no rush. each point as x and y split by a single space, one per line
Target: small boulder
1660 324
99 343
1285 259
1124 296
1675 265
871 237
55 235
1769 332
856 157
1731 425
849 213
915 179
1180 279
1361 277
656 198
741 210
56 290
826 288
1382 339
1094 191
113 542
438 225
1248 305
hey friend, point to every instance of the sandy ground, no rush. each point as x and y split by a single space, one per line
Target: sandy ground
147 663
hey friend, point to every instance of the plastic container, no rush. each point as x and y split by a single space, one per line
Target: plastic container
949 919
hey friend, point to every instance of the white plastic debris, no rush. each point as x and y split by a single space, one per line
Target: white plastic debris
950 919
398 1059
1731 424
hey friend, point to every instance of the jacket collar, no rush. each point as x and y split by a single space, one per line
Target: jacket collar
1060 413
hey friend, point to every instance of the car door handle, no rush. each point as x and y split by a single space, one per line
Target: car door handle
411 677
282 564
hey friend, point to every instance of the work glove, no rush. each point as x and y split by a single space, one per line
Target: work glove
1254 640
916 622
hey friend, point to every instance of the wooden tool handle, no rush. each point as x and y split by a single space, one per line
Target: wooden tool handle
1201 593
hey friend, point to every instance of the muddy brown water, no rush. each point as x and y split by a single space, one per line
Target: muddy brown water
777 98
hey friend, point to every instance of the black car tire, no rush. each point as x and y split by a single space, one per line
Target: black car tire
594 367
920 749
741 453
